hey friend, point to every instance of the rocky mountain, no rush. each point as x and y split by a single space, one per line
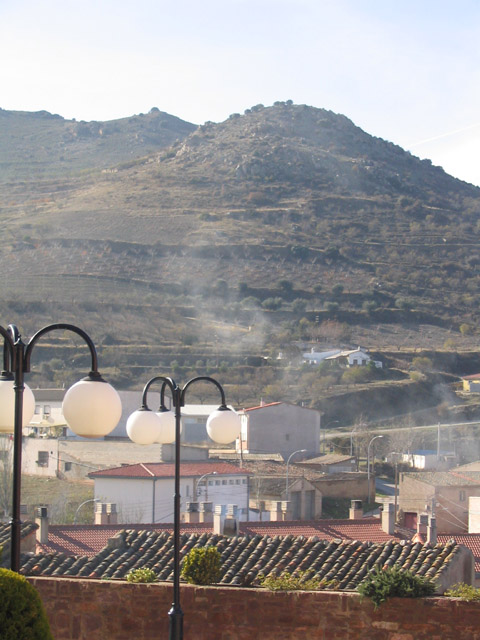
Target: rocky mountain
221 235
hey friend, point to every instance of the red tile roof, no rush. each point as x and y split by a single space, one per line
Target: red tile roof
88 540
469 540
167 470
365 529
262 406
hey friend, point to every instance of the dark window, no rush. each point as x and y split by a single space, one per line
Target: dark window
42 459
68 466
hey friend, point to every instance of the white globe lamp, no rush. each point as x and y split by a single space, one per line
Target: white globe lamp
7 405
167 421
223 426
144 427
92 408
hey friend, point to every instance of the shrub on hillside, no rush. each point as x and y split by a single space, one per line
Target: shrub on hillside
22 616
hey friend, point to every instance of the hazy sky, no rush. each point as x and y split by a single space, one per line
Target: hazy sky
407 71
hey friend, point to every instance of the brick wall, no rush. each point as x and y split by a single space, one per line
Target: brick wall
102 610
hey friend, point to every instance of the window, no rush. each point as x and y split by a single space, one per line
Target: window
187 492
42 459
47 410
231 481
224 482
461 496
237 481
287 437
210 483
244 481
217 482
68 466
38 409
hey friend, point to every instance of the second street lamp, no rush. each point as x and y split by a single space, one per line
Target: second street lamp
368 464
288 464
92 408
163 426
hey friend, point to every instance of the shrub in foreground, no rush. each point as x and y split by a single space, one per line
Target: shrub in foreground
202 566
22 616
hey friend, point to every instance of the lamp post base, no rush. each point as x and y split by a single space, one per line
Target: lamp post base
176 623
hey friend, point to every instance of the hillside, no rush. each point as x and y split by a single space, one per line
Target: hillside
223 241
41 144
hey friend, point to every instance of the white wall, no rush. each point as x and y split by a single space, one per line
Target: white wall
138 501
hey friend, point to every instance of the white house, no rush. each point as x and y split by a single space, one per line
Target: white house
48 414
74 458
279 427
354 358
144 492
428 459
317 357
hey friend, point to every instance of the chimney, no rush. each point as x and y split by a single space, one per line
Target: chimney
230 524
422 524
388 518
356 510
205 512
225 521
105 513
41 518
432 530
280 511
191 512
218 518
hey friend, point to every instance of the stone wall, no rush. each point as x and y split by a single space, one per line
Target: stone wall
102 610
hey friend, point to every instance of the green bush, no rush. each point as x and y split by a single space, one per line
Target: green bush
202 566
393 582
463 591
299 582
22 616
141 575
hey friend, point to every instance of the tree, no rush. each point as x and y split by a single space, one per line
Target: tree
422 363
272 304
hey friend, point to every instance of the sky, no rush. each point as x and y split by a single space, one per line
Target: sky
408 71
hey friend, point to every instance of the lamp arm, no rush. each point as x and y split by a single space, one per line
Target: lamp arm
8 350
167 382
205 379
65 327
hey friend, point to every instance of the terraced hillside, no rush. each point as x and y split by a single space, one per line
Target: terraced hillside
224 240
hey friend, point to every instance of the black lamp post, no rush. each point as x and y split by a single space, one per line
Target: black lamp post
91 407
146 427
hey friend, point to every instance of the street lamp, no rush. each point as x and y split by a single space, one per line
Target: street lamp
163 426
92 408
81 505
197 484
288 462
329 424
368 464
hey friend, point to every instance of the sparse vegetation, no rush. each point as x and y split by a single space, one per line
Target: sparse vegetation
463 591
300 581
141 575
393 582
